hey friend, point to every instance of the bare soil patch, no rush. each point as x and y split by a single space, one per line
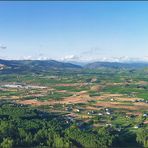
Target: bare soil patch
122 106
83 97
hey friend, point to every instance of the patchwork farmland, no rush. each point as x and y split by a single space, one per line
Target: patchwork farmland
88 100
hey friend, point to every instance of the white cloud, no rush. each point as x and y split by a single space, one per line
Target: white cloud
37 57
70 58
2 46
93 58
42 58
27 58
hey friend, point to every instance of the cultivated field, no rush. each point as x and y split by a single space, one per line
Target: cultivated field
116 100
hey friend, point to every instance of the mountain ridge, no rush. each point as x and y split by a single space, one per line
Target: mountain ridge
95 65
53 64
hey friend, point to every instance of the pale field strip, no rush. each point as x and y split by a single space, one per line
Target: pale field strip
83 97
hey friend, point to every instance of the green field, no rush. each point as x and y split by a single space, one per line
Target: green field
51 125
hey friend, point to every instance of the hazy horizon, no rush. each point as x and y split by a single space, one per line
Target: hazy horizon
74 31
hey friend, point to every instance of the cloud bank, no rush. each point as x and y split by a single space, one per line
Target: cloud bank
87 59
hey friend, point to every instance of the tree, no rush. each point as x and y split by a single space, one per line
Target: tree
142 137
7 143
28 139
105 139
60 142
49 141
41 136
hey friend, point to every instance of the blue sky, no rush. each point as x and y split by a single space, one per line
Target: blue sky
73 30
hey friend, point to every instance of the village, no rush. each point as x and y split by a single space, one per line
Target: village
103 109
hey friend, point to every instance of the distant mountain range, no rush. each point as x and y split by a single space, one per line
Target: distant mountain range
34 65
133 65
42 65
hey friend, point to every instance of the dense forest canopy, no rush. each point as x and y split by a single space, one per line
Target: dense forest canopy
22 126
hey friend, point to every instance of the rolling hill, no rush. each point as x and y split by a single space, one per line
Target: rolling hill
19 66
115 65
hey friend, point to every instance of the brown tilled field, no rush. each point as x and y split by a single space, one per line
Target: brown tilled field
119 101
